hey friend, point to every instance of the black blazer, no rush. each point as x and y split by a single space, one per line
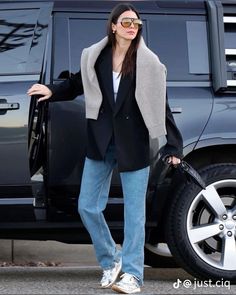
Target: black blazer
119 122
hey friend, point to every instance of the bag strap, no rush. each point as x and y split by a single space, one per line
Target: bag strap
194 175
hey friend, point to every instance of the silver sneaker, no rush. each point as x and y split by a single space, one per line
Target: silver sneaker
110 275
127 285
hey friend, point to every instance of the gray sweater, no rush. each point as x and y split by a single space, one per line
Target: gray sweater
150 90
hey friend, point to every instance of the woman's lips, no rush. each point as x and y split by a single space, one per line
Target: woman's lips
131 32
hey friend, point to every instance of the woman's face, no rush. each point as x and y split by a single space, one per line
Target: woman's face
130 32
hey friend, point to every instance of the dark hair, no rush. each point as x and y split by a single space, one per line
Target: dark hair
128 65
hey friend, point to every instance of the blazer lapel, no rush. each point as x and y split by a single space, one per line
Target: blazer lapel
104 67
104 72
124 87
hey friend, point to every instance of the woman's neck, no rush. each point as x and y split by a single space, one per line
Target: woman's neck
119 53
122 46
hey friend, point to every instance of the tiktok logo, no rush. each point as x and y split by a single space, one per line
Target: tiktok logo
177 284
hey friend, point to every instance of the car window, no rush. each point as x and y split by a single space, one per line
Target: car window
72 34
23 30
171 36
15 39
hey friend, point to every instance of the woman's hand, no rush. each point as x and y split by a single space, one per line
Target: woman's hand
40 89
174 160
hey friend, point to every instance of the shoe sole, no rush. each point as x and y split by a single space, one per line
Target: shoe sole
119 290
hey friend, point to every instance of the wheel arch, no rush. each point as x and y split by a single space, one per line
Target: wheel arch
211 154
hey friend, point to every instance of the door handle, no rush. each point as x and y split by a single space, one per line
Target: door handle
176 110
6 106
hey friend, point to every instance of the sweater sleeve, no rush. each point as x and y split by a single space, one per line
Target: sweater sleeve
68 89
174 145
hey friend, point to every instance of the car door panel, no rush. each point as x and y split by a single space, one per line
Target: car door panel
23 32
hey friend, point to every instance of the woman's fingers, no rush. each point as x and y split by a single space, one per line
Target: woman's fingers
43 98
41 90
174 160
34 89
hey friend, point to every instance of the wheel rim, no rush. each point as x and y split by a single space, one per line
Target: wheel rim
211 224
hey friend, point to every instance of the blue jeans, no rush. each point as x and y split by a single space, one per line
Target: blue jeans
93 198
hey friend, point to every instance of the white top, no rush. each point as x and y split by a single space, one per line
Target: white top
116 83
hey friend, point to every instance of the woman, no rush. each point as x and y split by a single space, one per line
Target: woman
124 84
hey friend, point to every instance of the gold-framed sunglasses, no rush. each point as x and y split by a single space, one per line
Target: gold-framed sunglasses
126 22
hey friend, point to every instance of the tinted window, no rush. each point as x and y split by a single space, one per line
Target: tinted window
168 37
23 31
15 39
181 41
72 35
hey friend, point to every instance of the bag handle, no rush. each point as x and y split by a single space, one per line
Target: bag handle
192 173
163 167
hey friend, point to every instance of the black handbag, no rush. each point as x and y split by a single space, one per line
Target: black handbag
163 169
160 172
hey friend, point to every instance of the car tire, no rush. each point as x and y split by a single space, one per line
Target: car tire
201 225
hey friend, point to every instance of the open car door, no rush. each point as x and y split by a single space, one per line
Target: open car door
23 37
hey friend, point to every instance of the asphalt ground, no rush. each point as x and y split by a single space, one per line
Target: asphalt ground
34 267
85 280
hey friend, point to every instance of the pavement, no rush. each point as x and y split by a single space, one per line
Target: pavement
50 253
85 280
74 270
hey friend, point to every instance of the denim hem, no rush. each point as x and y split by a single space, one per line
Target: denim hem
108 267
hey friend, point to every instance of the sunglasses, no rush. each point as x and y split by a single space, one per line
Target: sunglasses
126 22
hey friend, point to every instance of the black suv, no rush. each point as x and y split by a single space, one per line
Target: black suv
42 146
